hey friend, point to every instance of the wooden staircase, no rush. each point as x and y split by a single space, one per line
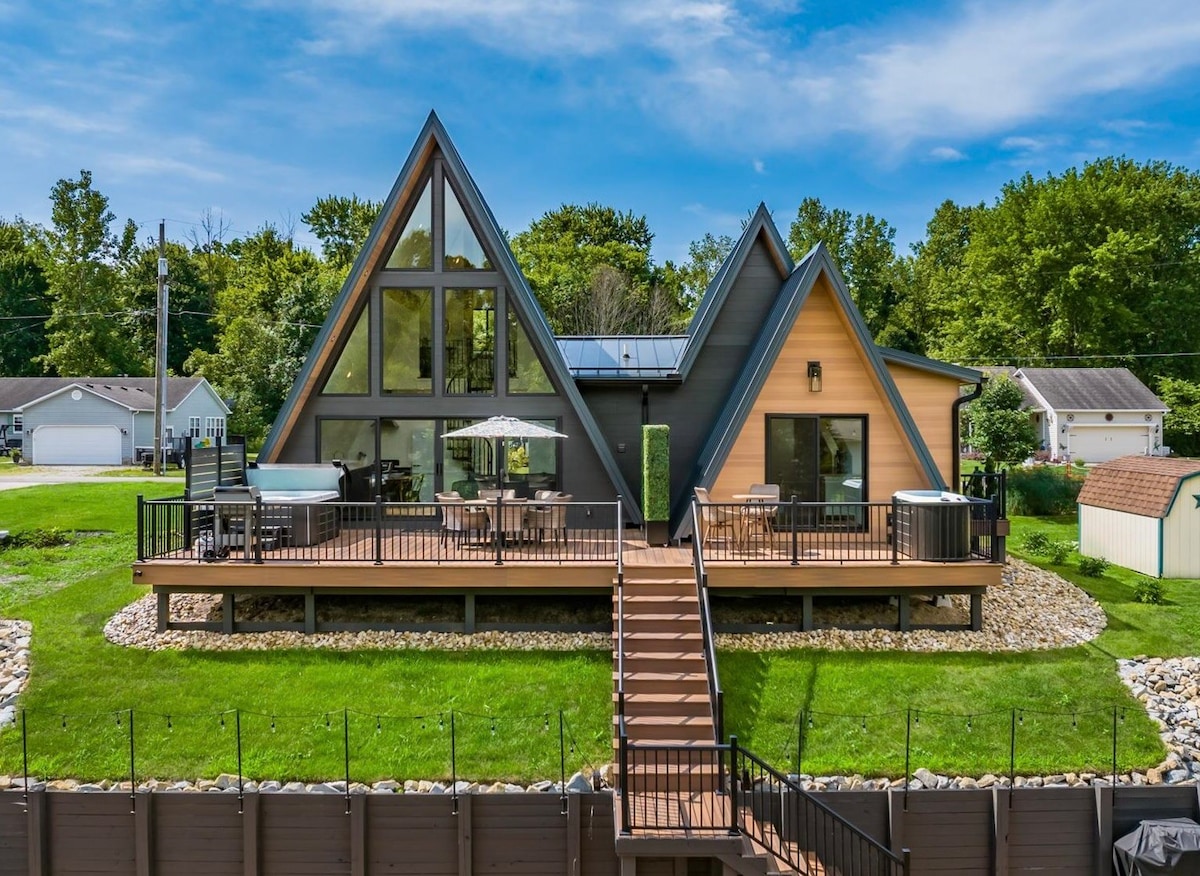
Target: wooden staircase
666 681
667 702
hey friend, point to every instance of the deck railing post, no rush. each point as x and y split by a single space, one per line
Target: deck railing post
733 786
141 536
258 527
795 530
620 535
895 532
378 530
498 529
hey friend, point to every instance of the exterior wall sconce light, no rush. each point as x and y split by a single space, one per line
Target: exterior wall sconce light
814 376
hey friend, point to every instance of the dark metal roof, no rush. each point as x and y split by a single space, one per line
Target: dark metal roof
1092 389
623 357
135 393
912 360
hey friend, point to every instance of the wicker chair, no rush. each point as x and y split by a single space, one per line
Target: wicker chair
507 518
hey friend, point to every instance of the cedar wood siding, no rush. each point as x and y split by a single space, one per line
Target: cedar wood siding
821 332
929 398
691 408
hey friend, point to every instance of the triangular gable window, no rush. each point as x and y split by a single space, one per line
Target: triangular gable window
463 250
414 249
526 373
349 374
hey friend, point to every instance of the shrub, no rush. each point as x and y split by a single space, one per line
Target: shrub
1092 567
1058 551
36 538
1148 591
1078 462
656 472
1037 543
1042 490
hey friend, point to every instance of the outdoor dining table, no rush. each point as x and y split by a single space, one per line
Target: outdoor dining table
751 516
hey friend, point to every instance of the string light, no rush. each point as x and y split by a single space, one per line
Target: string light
917 718
222 722
1074 722
1021 718
968 723
272 723
378 725
169 727
864 724
493 726
327 727
546 724
441 722
118 719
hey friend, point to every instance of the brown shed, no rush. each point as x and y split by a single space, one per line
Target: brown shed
1143 512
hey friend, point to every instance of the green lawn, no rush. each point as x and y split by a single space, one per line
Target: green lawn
68 593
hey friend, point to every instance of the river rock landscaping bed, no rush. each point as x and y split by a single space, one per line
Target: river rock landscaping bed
14 666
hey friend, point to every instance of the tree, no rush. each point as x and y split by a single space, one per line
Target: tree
1094 263
863 249
24 299
705 257
1000 429
570 255
267 319
1181 425
189 323
88 327
342 225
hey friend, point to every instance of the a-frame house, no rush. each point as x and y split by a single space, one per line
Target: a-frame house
436 328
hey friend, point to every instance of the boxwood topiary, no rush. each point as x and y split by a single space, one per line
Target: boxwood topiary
656 472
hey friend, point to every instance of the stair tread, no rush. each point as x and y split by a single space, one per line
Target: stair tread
666 720
646 697
663 676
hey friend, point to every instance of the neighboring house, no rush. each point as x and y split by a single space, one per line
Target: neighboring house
1092 414
1143 513
103 420
777 379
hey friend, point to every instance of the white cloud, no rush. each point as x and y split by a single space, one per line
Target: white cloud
759 166
747 72
946 153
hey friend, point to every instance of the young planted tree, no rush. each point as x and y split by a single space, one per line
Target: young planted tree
1000 428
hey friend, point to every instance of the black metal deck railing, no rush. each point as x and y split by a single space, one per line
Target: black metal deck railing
847 532
715 694
726 789
378 532
792 824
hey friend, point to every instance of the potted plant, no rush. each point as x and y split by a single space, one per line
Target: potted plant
656 482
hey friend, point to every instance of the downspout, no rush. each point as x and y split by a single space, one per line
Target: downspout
956 438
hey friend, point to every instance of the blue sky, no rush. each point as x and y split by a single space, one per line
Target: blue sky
690 111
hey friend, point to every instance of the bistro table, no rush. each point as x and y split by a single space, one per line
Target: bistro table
753 517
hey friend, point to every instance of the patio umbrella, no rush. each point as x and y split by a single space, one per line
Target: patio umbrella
499 428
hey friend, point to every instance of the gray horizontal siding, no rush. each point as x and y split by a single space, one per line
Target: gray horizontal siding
89 410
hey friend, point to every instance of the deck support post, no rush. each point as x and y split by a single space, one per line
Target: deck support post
310 611
469 613
227 613
806 613
976 612
903 613
164 610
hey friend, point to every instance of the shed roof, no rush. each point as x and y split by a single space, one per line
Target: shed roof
135 393
1092 389
1142 485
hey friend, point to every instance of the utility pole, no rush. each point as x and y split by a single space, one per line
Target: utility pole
160 350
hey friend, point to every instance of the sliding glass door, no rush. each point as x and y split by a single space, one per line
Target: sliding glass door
819 459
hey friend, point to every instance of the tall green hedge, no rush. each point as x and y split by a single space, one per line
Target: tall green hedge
1042 490
656 472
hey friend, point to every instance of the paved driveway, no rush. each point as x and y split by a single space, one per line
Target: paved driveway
67 474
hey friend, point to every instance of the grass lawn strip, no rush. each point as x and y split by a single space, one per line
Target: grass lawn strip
77 673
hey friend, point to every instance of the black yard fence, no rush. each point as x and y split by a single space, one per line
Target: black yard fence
240 744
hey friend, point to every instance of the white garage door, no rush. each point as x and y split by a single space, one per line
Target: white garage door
76 445
1103 443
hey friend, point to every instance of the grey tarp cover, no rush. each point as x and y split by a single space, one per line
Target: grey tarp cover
1168 845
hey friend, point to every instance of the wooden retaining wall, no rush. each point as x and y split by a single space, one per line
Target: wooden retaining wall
183 834
975 832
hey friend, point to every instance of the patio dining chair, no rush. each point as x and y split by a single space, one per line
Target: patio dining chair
761 513
460 518
715 518
551 516
507 519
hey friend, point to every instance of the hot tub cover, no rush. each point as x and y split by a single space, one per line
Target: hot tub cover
1167 845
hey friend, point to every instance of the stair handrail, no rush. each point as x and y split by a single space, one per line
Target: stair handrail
895 864
716 695
622 730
